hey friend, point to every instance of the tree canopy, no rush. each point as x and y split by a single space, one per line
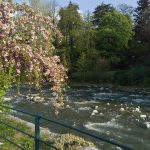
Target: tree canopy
70 24
94 45
115 31
100 11
143 5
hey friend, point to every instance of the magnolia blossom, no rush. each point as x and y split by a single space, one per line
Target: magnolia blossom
26 46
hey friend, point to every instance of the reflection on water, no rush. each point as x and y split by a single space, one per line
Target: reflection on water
115 114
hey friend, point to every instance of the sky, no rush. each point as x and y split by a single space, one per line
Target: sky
91 4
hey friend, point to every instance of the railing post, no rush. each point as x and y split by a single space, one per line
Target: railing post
37 131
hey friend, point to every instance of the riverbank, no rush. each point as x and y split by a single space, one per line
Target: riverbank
106 86
13 135
135 76
62 142
98 110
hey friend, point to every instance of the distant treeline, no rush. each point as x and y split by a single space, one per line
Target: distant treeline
109 45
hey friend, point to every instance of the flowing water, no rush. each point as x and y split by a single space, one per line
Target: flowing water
119 115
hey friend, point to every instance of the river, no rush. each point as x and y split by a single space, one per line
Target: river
119 113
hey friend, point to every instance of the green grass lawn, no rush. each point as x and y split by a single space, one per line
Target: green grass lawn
62 142
15 136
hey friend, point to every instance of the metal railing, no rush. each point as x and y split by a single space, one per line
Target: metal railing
38 140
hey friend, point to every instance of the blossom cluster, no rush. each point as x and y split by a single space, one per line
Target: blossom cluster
26 45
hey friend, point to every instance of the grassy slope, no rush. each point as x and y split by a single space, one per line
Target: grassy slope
15 136
60 141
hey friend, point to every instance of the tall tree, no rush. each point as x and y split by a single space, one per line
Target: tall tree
86 44
146 26
70 24
87 34
143 5
99 12
114 34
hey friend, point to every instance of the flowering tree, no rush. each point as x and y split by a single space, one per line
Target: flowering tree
26 49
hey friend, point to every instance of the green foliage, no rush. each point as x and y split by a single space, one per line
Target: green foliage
87 35
89 76
147 81
71 142
5 82
62 142
99 13
146 25
70 24
101 47
140 22
82 63
115 32
70 19
15 136
135 76
93 77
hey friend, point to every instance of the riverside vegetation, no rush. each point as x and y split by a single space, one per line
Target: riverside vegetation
27 55
110 45
40 44
62 142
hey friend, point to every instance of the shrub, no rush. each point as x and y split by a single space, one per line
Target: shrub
71 142
134 76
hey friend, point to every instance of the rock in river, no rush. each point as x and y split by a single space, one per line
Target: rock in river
145 125
94 112
96 107
142 116
122 109
90 148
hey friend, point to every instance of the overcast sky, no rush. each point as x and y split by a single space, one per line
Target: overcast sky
91 4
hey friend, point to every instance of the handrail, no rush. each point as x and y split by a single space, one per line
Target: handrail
111 141
41 141
37 131
31 136
12 142
21 111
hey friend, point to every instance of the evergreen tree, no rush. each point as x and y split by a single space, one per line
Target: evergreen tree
143 5
146 27
99 12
